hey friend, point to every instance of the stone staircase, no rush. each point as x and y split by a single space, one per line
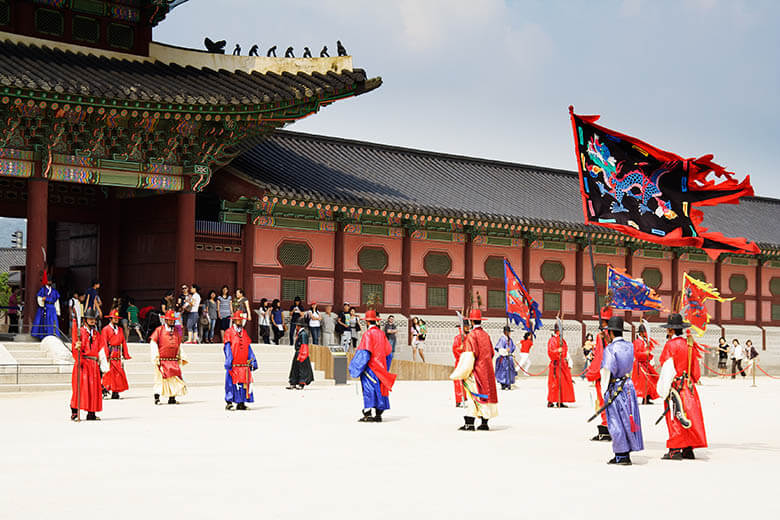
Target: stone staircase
37 372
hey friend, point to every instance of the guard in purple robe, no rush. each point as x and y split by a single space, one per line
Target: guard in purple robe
46 317
622 407
505 362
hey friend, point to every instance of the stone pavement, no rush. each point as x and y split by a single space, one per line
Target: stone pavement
303 455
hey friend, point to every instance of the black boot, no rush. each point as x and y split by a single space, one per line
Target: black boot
687 453
673 455
602 435
240 406
550 405
228 405
562 405
366 416
621 459
378 415
114 395
156 398
469 425
74 414
484 425
92 417
172 400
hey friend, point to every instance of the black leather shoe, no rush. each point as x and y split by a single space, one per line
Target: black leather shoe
673 455
483 427
467 428
366 417
229 406
550 405
172 400
240 406
114 395
156 398
623 461
687 453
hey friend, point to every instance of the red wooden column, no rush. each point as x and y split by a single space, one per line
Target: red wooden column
675 279
185 238
527 261
406 268
469 268
759 301
37 233
247 275
579 280
338 268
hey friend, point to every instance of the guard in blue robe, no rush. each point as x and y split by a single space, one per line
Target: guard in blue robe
505 362
240 361
622 407
46 317
371 364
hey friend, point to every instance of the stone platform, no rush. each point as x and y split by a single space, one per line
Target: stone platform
301 454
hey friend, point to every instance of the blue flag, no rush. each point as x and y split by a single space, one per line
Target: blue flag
520 307
630 294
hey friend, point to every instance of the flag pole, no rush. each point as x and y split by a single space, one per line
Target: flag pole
593 273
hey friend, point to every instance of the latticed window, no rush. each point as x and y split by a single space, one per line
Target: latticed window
494 267
698 275
120 36
86 29
437 263
737 310
294 253
496 299
372 294
437 296
775 312
292 289
372 259
552 271
5 13
551 301
652 277
49 22
738 283
774 286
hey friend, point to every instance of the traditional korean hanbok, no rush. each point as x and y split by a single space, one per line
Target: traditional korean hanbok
167 356
46 317
623 422
115 379
240 361
371 364
505 362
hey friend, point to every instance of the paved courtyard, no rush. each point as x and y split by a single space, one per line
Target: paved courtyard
303 455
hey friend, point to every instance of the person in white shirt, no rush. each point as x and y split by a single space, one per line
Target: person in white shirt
76 310
737 356
315 323
192 305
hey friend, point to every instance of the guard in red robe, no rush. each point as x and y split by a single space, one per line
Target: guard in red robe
560 388
167 357
475 370
240 361
371 364
115 379
457 349
88 353
593 374
680 372
644 376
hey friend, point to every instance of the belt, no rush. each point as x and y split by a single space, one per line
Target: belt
91 358
241 364
169 359
112 358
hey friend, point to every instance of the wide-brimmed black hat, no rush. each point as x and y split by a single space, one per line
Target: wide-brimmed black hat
301 323
675 321
615 323
90 314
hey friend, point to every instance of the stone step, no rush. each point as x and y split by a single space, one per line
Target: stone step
21 355
23 347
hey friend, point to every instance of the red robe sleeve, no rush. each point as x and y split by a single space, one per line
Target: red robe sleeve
640 350
594 369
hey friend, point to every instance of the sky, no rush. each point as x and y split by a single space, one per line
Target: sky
494 79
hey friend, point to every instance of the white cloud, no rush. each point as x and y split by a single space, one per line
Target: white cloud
430 24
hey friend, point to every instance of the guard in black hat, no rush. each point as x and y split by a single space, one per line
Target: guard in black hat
620 403
680 371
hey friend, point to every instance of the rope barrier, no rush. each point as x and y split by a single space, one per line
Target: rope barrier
533 375
765 372
724 374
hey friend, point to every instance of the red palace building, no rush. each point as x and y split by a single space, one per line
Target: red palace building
147 166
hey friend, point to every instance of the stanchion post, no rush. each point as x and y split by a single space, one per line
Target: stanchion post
754 372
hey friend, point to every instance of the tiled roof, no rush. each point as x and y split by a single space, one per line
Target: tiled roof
47 69
327 169
11 257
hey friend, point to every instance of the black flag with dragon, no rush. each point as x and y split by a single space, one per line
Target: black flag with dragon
648 193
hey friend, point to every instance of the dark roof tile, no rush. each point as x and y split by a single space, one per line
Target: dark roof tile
343 171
